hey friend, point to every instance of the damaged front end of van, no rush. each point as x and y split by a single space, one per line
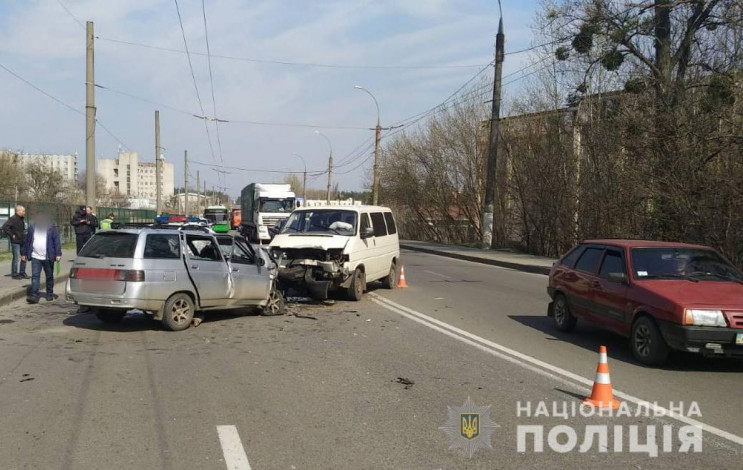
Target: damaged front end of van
312 269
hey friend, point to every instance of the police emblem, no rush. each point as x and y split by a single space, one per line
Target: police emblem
469 427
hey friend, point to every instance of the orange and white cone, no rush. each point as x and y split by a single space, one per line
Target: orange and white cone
401 282
602 395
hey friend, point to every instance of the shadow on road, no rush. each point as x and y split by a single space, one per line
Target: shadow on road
135 321
590 337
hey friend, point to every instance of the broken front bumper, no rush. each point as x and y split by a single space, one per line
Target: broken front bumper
315 276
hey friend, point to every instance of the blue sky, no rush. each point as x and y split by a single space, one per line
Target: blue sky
41 42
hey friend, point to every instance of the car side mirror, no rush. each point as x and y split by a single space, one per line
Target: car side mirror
366 233
619 278
261 261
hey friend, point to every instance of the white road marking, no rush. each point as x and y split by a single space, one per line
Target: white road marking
232 448
436 274
535 365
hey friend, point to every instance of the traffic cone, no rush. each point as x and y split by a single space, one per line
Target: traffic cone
401 281
602 395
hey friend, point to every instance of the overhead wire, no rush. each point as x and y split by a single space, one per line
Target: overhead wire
66 105
211 80
64 7
193 77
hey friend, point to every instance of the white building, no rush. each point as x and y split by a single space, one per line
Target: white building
127 175
64 164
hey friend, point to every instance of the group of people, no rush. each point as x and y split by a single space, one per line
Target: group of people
42 247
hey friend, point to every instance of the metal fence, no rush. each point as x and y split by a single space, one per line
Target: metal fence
62 215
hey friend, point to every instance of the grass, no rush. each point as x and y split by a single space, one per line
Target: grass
66 249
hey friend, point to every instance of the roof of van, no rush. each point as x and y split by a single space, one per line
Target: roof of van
347 208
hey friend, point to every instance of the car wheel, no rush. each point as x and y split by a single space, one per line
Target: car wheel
648 345
390 280
179 311
358 284
564 318
108 315
275 304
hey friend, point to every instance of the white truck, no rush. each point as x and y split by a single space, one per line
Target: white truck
263 206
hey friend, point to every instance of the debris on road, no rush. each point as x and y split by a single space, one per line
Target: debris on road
197 319
405 381
26 378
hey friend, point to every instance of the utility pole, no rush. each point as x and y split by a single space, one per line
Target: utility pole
158 167
89 117
375 180
185 183
488 238
206 198
198 196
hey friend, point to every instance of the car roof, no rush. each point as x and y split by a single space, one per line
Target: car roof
137 231
348 208
629 243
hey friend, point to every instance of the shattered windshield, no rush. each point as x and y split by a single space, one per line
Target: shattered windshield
335 222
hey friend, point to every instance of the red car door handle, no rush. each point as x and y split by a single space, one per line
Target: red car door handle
596 284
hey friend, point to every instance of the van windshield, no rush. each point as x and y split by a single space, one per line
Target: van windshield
110 245
322 221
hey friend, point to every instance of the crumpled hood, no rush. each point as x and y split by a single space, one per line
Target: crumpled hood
317 242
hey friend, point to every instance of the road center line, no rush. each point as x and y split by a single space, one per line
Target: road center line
535 365
232 448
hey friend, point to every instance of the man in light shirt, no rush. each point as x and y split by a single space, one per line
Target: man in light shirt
43 248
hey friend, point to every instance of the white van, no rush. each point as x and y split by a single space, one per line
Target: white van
337 247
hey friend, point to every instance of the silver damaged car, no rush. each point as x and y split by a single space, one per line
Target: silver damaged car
171 274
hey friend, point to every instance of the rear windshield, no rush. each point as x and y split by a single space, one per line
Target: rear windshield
110 245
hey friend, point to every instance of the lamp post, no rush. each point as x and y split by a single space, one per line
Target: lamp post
330 165
304 180
377 138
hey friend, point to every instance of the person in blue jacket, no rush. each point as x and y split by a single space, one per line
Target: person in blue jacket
42 248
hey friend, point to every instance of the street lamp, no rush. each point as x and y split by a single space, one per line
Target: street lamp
304 182
330 165
377 138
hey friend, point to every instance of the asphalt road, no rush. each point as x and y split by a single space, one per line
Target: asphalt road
320 388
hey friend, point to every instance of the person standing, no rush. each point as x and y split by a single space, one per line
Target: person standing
82 221
15 229
43 248
106 223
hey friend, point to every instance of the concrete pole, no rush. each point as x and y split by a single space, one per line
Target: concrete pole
198 196
90 117
185 183
488 239
158 167
375 181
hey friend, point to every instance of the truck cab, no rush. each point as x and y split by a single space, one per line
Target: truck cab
263 206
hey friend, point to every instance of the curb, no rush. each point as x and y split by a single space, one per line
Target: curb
529 268
7 299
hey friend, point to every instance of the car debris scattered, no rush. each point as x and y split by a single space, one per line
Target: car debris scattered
405 381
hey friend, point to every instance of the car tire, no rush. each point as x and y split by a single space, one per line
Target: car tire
109 315
358 284
179 312
390 280
564 318
275 304
647 343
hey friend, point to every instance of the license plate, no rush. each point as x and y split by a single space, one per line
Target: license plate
739 338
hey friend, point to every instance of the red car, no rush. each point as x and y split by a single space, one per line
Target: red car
663 296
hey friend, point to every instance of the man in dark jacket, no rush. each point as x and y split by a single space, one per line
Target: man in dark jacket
43 248
15 229
84 223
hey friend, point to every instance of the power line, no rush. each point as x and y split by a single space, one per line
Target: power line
224 121
70 13
211 80
193 77
71 108
286 62
254 170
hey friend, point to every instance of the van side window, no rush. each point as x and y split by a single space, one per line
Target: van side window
380 229
391 228
365 222
202 249
160 246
